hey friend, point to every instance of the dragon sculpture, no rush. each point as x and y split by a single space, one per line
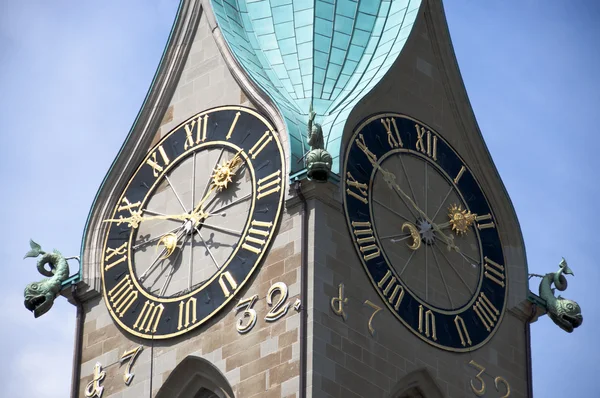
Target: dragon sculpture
39 296
318 160
564 312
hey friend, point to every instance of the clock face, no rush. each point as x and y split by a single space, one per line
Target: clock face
424 232
193 223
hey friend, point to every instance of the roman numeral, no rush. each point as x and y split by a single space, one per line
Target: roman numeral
122 296
156 165
235 119
427 323
200 132
393 291
269 184
260 145
463 333
127 205
426 142
110 253
361 189
360 142
494 271
149 317
393 139
226 279
483 218
485 310
187 313
460 173
257 233
365 239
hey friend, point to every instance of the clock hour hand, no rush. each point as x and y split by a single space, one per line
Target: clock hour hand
136 218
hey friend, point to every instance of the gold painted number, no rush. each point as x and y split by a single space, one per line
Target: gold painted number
260 145
200 132
427 323
377 309
501 379
356 189
393 291
486 225
127 205
393 138
426 142
363 234
494 271
158 165
122 296
485 310
149 317
478 391
235 119
257 234
278 309
360 142
269 184
110 253
249 313
187 313
226 279
463 333
130 355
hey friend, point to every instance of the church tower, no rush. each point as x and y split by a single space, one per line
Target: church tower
304 207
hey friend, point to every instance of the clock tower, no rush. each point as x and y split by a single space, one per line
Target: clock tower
304 207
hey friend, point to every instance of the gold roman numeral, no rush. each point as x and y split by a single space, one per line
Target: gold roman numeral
235 119
110 253
260 145
226 279
483 218
127 205
460 173
426 142
149 317
393 139
269 184
361 189
257 234
187 313
393 291
463 333
200 131
494 271
427 323
485 310
122 296
366 241
360 142
158 166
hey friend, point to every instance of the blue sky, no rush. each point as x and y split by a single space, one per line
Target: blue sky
74 74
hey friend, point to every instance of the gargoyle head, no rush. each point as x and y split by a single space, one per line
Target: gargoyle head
566 314
37 300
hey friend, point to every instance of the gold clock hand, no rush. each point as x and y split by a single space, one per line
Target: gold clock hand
390 179
136 217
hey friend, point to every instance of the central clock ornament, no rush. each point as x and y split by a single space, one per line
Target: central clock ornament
424 232
193 223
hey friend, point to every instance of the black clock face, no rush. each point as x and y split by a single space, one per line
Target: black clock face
193 223
424 232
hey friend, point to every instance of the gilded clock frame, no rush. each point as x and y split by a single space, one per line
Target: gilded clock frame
223 269
349 144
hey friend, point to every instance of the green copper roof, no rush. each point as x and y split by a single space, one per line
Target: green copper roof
330 52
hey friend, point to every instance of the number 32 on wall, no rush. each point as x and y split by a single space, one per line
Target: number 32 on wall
497 381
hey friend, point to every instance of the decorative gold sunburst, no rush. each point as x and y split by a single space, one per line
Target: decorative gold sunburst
460 219
223 173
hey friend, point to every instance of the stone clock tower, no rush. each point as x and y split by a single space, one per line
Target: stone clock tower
304 207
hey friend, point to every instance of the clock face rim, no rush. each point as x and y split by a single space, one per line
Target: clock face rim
444 174
349 144
179 159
